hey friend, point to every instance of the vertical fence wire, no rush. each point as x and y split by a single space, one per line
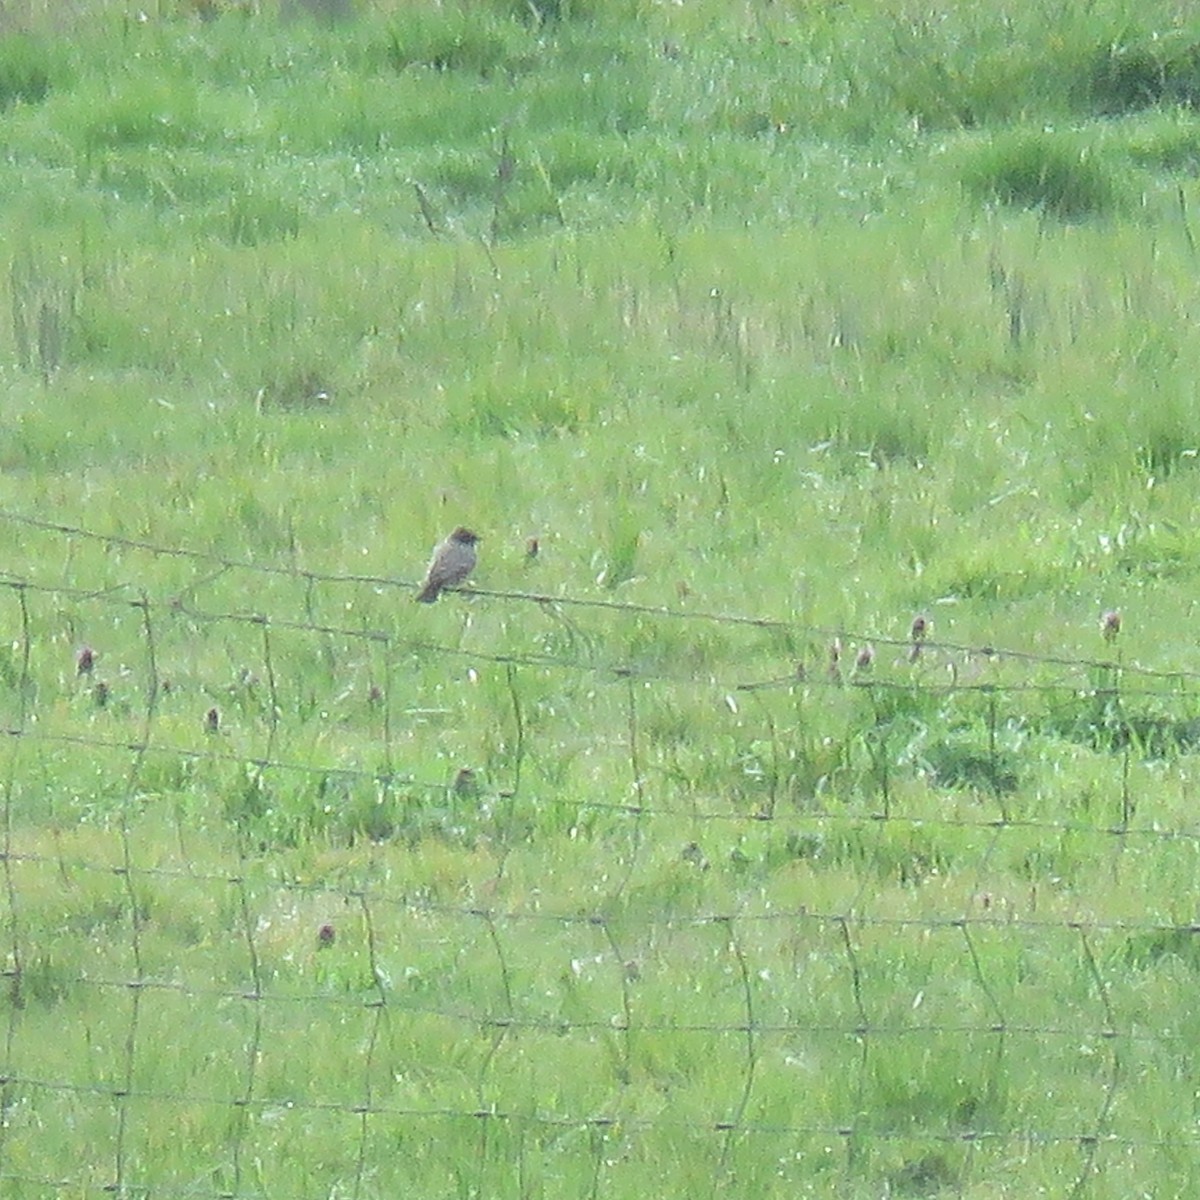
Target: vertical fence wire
732 1125
1090 1141
14 966
861 1034
377 1006
245 1101
129 874
488 1111
638 783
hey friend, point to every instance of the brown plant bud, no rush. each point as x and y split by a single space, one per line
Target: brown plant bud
326 936
1110 625
866 657
835 660
920 628
212 721
85 661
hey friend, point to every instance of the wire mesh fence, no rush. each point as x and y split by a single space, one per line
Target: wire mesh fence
309 892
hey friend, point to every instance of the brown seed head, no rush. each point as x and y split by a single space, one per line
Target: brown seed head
1110 625
835 660
866 656
212 721
85 661
326 936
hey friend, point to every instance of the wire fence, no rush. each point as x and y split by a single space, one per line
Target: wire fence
303 899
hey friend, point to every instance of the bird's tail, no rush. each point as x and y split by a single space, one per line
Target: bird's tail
429 593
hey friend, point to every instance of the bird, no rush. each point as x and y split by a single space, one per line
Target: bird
452 562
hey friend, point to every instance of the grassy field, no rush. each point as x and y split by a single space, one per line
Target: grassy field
791 823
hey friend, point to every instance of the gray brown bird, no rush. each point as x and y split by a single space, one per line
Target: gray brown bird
452 562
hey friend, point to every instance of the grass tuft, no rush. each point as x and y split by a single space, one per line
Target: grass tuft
1128 76
455 40
253 218
297 388
28 69
1056 174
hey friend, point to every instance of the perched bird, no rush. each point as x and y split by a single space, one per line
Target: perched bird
452 562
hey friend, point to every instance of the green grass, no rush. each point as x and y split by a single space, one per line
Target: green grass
822 315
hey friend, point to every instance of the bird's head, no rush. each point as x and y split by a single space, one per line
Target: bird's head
464 536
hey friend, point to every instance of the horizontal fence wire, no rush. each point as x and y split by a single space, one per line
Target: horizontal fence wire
286 871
